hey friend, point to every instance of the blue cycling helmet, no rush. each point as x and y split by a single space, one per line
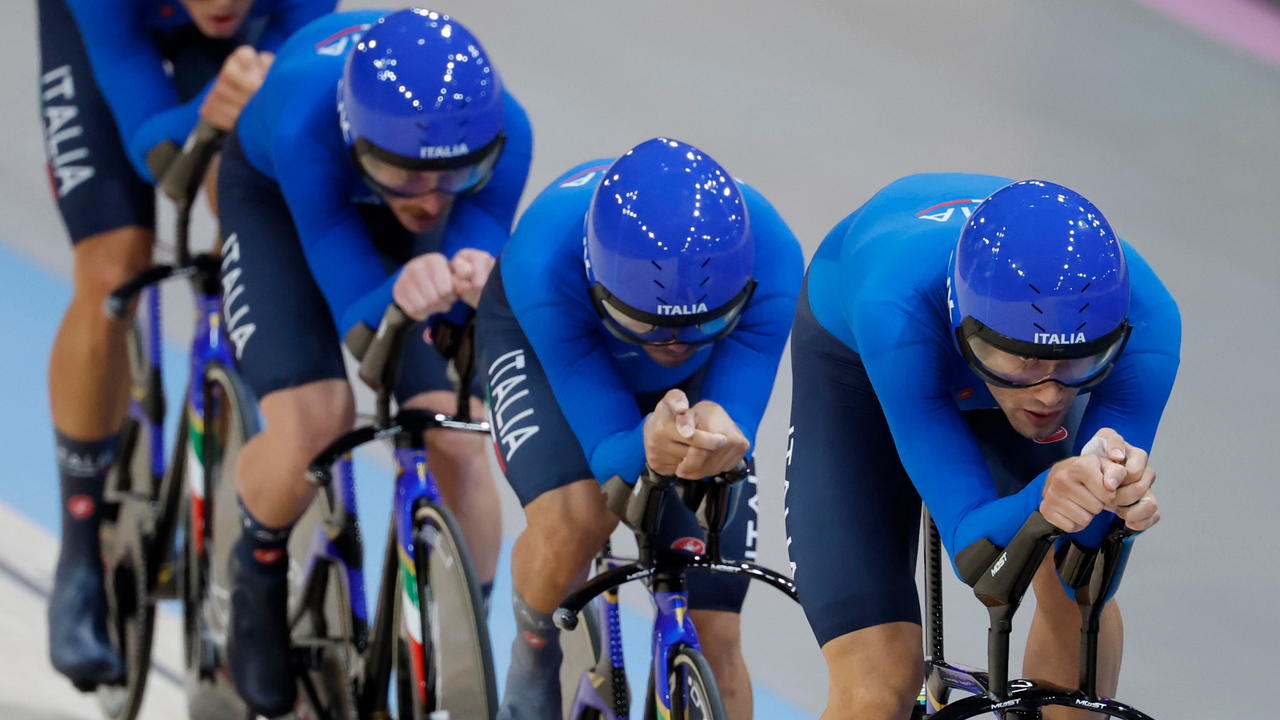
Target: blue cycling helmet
419 93
668 247
1038 288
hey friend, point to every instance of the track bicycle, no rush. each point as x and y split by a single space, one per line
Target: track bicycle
143 493
1000 578
681 684
429 628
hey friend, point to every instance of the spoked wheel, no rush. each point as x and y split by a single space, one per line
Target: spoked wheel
444 662
212 526
1026 705
131 490
694 695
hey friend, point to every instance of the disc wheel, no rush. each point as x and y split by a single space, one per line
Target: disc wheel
130 492
444 660
694 695
130 616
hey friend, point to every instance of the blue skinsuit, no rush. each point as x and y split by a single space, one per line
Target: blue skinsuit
290 133
878 284
596 377
121 40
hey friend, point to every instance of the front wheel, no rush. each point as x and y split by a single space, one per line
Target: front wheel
694 694
444 660
227 420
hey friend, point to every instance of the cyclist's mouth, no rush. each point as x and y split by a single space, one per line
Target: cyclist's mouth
224 21
1043 417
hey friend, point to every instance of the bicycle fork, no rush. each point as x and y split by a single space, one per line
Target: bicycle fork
672 628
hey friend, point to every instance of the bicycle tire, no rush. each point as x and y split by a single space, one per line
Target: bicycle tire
452 643
1030 701
130 490
694 693
230 419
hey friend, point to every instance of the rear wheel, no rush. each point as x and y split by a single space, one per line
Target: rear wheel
132 491
444 661
694 694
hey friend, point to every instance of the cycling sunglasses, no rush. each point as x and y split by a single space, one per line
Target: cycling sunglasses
643 328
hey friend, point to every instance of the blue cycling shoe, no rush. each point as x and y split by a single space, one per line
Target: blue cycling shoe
533 679
258 645
79 645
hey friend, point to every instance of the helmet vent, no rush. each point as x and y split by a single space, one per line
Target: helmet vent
662 300
655 264
1084 307
1037 309
704 262
1040 327
1086 287
704 297
1081 326
1033 287
704 281
655 282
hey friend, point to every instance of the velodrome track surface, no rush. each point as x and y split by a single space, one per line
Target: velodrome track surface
1169 128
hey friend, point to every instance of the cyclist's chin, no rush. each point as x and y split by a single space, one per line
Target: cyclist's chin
417 222
670 356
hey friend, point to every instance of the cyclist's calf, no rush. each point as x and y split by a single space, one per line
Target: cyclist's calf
720 634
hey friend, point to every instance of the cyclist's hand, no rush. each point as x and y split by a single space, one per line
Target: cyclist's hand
1077 489
425 286
1109 444
470 269
699 463
1142 513
671 431
242 74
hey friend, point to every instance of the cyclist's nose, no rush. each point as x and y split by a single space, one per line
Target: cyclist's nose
1050 394
434 203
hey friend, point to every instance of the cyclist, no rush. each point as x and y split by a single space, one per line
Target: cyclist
121 82
637 316
402 189
1023 366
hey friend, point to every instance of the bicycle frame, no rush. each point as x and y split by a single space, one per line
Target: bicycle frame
664 573
337 540
588 695
209 344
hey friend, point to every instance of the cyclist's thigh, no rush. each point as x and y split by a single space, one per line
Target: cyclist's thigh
853 515
679 531
96 187
277 318
536 448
